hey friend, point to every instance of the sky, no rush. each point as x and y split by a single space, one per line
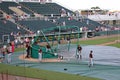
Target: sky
87 4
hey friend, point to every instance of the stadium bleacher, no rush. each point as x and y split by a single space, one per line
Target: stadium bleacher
92 24
46 9
36 25
7 27
5 7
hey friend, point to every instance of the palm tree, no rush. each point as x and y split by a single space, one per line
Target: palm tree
95 8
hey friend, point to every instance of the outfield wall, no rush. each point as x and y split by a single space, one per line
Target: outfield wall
105 33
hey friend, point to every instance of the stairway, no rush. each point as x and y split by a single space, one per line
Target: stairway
17 10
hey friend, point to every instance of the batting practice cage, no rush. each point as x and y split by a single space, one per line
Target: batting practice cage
55 38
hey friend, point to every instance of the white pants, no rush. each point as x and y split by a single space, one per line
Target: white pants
90 62
48 50
40 56
79 55
9 58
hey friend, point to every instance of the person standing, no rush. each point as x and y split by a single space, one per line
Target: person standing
4 50
79 49
28 48
68 40
90 59
1 55
48 48
13 47
9 53
40 55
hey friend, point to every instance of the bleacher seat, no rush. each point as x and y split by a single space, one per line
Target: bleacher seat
71 22
45 9
7 27
5 7
92 24
36 25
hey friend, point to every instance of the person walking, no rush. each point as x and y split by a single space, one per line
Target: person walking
90 59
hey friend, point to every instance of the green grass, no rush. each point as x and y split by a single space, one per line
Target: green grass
19 49
88 42
115 45
50 75
97 41
40 74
